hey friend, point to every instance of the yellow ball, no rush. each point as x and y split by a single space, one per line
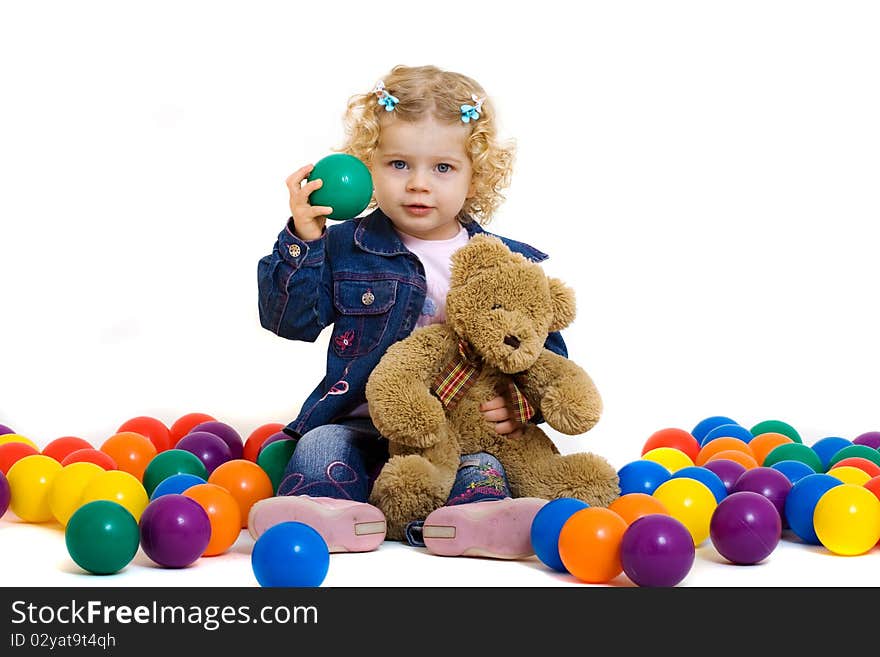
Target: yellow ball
29 481
847 519
120 487
669 457
849 474
65 493
690 502
17 438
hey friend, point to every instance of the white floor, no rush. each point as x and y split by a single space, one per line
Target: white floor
35 555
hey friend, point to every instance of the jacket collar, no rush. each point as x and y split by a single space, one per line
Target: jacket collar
375 234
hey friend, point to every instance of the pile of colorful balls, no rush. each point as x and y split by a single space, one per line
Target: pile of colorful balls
743 489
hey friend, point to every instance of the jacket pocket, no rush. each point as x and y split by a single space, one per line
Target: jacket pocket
363 308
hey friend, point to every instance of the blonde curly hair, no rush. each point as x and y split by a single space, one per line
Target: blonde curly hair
424 90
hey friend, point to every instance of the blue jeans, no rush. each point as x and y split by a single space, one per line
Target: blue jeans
343 460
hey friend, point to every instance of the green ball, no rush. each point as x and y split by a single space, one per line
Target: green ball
273 459
172 462
776 426
102 537
347 185
794 452
862 451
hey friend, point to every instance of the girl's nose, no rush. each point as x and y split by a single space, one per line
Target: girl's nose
417 181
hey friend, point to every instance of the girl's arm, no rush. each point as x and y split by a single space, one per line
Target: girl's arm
295 298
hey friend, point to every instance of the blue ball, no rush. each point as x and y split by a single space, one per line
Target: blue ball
706 476
642 476
727 431
176 484
705 425
827 447
794 470
290 554
546 527
801 503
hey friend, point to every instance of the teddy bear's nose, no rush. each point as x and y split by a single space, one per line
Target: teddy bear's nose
512 341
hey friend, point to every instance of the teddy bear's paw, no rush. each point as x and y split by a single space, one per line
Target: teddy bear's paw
590 478
569 411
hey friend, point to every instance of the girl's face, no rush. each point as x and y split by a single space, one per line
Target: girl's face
422 176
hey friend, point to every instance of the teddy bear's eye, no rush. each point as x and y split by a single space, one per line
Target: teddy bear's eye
496 306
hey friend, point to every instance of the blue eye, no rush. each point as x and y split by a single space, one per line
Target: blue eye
444 168
398 164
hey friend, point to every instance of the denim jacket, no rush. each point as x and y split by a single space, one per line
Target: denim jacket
359 277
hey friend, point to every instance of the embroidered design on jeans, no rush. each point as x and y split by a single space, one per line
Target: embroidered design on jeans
294 483
492 485
345 340
338 388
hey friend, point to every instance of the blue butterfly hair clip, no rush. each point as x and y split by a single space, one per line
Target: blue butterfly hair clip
388 101
472 112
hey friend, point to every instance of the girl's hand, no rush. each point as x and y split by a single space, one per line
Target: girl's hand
498 412
308 220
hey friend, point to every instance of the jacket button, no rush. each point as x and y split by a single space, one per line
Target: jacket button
294 250
368 298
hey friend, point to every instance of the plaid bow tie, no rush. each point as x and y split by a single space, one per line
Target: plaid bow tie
453 382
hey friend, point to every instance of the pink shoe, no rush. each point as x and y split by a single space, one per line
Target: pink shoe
500 529
345 525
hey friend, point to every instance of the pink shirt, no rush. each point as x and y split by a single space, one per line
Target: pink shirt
434 256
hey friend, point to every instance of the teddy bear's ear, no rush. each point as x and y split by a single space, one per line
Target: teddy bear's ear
481 252
562 300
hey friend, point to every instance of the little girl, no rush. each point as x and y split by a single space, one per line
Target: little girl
429 138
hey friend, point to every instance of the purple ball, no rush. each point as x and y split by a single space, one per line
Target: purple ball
4 494
210 448
728 470
869 438
766 481
657 550
745 527
222 430
4 430
274 438
175 530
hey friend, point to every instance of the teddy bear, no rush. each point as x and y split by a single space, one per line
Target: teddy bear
424 394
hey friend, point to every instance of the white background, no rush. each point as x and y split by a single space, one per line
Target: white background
704 174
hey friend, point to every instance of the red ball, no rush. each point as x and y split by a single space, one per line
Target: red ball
12 452
61 447
255 440
152 428
90 455
184 424
860 462
673 437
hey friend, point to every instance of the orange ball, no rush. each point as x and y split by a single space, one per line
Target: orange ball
247 482
762 444
746 460
61 447
721 444
633 506
255 441
589 544
674 437
152 428
223 513
131 451
184 424
12 452
91 455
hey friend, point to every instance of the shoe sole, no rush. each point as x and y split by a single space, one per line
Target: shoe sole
358 527
499 529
